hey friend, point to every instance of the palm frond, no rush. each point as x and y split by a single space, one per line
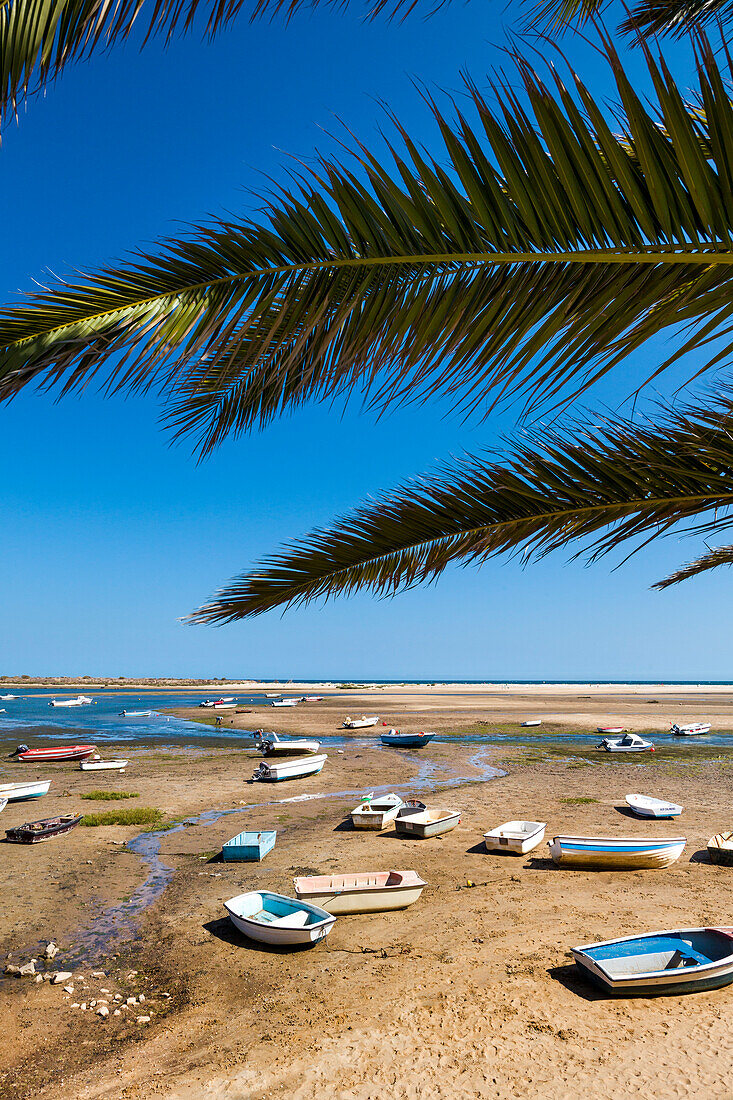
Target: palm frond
616 483
38 38
529 258
722 555
679 18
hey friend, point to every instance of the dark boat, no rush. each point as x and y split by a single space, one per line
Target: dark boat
34 831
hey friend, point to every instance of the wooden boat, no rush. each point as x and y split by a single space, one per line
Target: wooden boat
609 729
270 744
693 729
685 960
720 849
276 770
532 722
54 755
274 918
137 713
652 807
284 702
21 792
103 765
630 742
360 723
32 832
249 847
515 836
405 740
426 823
363 892
80 701
376 813
609 853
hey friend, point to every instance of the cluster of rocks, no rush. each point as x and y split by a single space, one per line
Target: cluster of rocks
104 1003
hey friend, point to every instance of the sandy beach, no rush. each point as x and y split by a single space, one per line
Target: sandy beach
469 993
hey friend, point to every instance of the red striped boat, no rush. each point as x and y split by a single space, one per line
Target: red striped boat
58 753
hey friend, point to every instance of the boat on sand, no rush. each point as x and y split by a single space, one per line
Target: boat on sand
652 807
376 813
103 765
515 836
685 960
20 792
360 723
630 742
276 770
405 740
693 729
271 744
55 754
426 823
617 853
274 918
363 892
720 849
34 831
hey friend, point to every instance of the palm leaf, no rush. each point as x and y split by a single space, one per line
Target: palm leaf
530 257
679 18
722 555
618 483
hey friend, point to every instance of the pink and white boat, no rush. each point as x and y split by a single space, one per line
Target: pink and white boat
363 892
55 754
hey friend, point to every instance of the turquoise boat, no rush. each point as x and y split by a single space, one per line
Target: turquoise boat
686 960
406 740
249 847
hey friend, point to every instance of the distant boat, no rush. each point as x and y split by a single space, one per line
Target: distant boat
515 836
54 755
270 744
284 702
6 697
686 960
103 765
360 723
225 701
609 729
426 823
533 722
405 740
34 831
276 770
376 813
363 892
720 849
652 807
694 729
630 742
311 698
606 853
80 701
249 846
137 713
20 792
274 918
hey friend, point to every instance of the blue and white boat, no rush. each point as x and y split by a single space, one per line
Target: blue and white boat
616 853
652 807
274 918
137 713
687 960
21 792
249 846
406 740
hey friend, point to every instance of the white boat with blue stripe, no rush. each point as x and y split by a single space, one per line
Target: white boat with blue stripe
617 853
687 960
275 918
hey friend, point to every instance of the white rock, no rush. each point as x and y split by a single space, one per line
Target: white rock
61 976
83 1006
118 996
103 1011
68 989
104 991
117 1012
51 950
143 1019
98 974
38 979
28 969
92 1004
130 976
166 995
13 970
141 998
131 1001
75 1005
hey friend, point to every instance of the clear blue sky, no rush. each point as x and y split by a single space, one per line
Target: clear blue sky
109 535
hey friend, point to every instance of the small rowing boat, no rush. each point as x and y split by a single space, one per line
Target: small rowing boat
35 831
609 729
515 836
720 849
284 702
137 713
426 823
20 792
652 807
624 853
54 755
630 742
532 722
80 701
6 697
360 723
311 698
274 918
249 847
376 813
399 740
693 729
685 960
276 770
103 765
363 892
270 744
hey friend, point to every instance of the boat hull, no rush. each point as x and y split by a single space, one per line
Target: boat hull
102 765
22 792
360 723
249 847
347 896
515 836
406 740
424 829
280 934
720 849
56 755
612 854
375 820
697 975
276 772
33 832
652 807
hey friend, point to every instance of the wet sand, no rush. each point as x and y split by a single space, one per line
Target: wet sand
469 993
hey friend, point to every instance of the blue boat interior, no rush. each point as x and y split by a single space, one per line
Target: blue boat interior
650 954
273 908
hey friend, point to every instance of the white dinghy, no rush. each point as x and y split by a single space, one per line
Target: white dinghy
693 729
532 722
617 853
424 823
630 742
276 770
515 836
652 807
270 744
103 765
376 813
19 792
274 918
360 723
363 892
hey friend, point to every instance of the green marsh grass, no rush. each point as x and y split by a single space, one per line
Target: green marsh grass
133 815
577 801
109 796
